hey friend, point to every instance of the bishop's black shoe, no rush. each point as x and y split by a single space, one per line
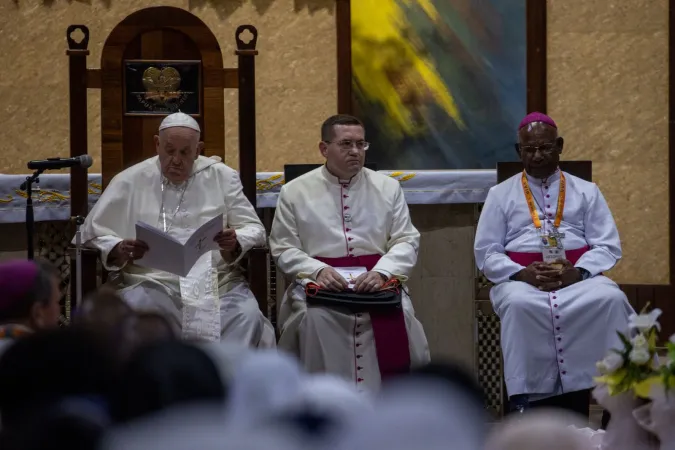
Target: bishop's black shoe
518 404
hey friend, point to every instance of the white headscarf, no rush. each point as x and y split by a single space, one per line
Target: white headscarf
540 430
226 356
265 383
332 396
194 427
415 414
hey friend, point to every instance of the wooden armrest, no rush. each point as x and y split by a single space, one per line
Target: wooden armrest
86 252
259 250
258 278
90 259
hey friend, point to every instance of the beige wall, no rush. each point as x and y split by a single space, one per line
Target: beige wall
608 91
296 73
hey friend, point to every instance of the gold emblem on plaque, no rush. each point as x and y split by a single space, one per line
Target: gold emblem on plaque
161 85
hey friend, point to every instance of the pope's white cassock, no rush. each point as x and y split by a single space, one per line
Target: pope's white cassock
551 341
322 221
213 301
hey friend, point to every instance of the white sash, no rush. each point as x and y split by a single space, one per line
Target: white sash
201 301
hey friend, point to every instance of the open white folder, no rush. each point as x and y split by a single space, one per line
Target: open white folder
171 255
350 274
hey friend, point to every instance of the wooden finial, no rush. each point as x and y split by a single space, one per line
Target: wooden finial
247 38
72 43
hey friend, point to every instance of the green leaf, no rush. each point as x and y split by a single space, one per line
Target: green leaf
624 339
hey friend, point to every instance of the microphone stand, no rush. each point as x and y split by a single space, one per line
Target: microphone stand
79 220
30 218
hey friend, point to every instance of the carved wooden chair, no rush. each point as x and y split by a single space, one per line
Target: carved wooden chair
160 34
484 312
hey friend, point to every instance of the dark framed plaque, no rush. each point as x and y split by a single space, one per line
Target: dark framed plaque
157 88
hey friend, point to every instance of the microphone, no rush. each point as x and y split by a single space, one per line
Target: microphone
61 163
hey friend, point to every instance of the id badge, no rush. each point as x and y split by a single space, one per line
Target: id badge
551 247
552 254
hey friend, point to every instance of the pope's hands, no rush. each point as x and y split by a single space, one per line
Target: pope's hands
126 251
227 240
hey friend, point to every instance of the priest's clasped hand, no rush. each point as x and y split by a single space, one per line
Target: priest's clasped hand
369 282
227 240
128 250
330 279
549 277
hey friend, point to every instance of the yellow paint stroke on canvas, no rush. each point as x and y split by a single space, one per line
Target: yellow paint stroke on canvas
390 70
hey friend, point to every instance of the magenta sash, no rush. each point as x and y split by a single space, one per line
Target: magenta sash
389 331
525 259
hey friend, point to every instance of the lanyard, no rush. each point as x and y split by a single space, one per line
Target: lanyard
533 210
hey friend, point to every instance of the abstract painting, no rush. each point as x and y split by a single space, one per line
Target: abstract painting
439 84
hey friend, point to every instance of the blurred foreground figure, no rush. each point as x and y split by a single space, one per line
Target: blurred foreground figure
264 384
198 427
416 413
102 311
163 375
29 298
540 430
544 238
323 408
337 216
177 191
41 371
73 424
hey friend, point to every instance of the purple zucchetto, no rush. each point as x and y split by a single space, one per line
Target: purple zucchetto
17 278
536 117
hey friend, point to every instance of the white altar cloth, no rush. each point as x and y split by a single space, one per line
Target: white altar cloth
51 197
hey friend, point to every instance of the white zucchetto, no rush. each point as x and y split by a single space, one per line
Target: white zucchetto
179 119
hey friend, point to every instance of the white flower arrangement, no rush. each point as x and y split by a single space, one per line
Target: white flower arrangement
633 366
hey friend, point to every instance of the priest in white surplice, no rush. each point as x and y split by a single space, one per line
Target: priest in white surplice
544 238
344 215
177 191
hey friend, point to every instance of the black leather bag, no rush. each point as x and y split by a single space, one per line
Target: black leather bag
386 299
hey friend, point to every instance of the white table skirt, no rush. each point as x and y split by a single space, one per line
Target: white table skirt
51 198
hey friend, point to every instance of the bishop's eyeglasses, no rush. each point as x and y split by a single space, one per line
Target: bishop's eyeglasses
545 149
347 144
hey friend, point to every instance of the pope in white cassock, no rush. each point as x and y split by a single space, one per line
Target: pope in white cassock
177 191
544 238
344 215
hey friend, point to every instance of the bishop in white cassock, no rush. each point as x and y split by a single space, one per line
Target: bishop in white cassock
545 238
177 191
344 215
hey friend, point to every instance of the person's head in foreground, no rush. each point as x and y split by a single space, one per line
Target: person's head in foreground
29 295
163 375
540 430
539 145
425 411
343 144
46 368
178 146
102 311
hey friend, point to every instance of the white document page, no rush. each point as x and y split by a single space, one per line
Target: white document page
350 274
169 254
